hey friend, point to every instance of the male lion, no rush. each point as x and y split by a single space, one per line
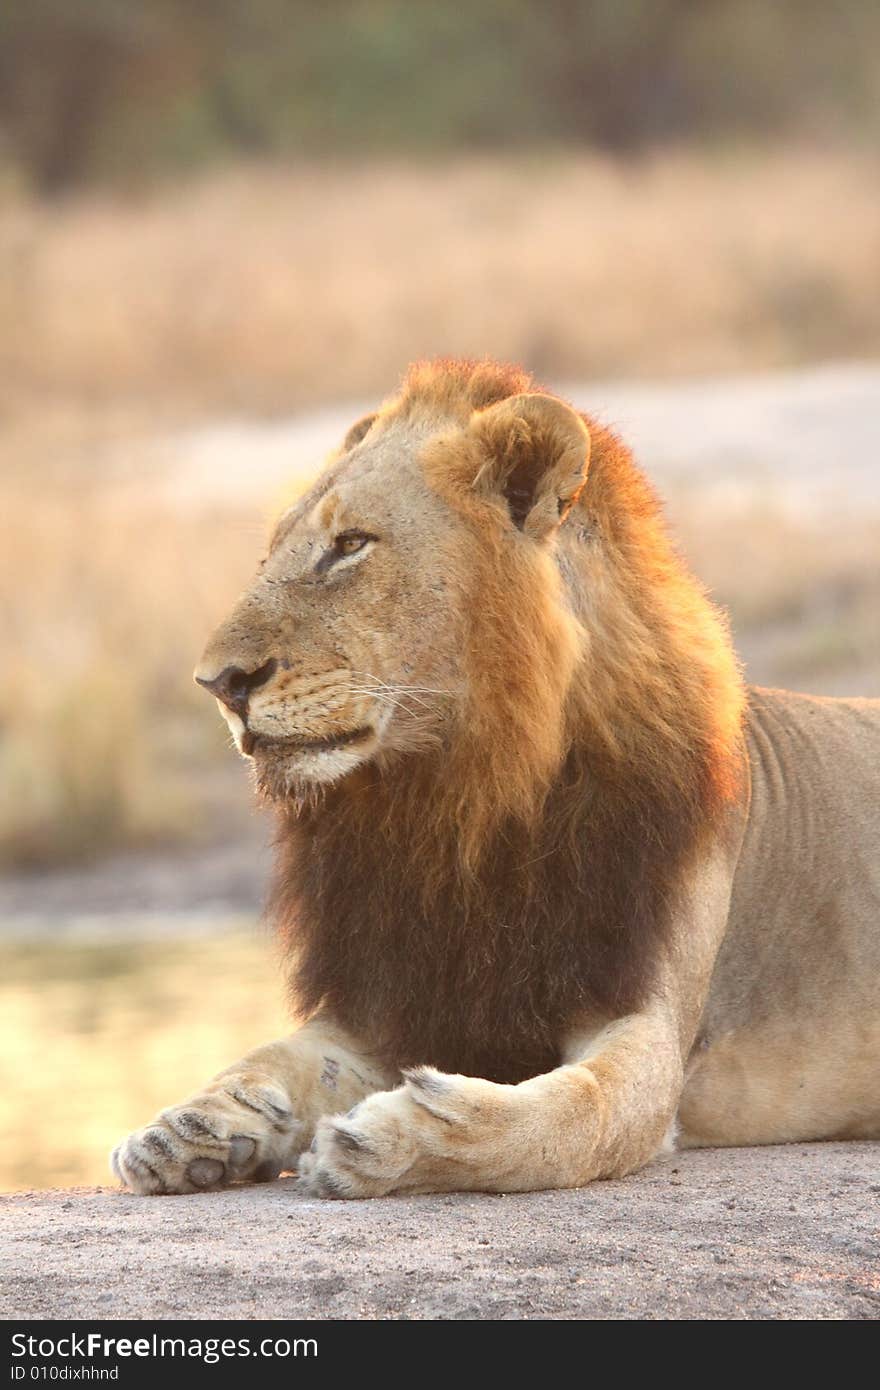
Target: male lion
554 884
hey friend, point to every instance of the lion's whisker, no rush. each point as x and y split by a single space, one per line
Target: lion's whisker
386 693
380 695
411 691
419 689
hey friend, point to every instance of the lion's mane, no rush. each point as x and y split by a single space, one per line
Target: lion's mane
465 906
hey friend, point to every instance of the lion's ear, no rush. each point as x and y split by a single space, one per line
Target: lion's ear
536 450
357 432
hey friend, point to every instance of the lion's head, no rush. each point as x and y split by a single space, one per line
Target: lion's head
413 592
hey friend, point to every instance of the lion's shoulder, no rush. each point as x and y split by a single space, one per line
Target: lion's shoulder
813 732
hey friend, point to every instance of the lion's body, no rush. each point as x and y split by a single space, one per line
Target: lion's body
535 838
789 1041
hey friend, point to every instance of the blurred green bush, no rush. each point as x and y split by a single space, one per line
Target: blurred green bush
112 89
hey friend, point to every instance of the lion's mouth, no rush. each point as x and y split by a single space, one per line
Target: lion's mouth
262 743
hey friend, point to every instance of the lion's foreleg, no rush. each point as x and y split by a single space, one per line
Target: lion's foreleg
604 1113
254 1118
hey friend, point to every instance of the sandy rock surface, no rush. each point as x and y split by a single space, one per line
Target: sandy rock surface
789 1232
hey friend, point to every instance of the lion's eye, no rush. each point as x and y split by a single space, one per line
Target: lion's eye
346 543
342 545
350 542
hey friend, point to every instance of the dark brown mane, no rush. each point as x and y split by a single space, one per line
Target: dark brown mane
465 906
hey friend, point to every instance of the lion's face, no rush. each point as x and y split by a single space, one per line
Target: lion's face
353 643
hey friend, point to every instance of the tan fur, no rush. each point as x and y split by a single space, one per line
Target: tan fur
556 873
789 1039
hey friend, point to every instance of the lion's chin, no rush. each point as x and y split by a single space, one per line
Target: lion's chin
290 769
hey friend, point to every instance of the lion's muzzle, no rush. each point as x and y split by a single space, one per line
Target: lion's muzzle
234 686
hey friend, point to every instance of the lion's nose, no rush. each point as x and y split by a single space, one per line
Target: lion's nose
233 685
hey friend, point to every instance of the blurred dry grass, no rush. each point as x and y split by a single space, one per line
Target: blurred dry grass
98 1038
263 288
803 596
105 741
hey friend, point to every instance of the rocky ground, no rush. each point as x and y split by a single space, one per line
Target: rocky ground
773 1233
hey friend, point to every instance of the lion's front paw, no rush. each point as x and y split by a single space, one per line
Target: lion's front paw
436 1133
241 1129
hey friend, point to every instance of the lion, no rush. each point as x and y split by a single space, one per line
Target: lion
557 890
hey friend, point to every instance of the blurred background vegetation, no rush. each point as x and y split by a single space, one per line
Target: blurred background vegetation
225 225
117 90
